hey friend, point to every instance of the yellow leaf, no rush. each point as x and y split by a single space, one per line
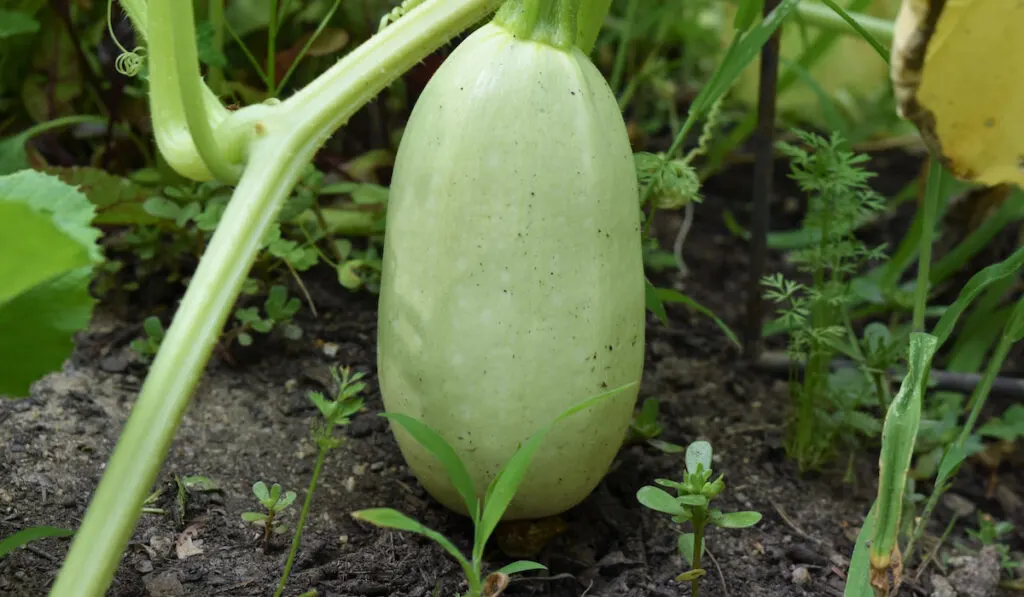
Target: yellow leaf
953 77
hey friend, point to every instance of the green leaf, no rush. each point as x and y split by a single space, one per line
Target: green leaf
690 575
286 501
259 489
208 52
858 581
1011 266
393 519
162 207
737 520
686 547
520 566
659 500
673 296
696 500
26 536
699 452
899 435
253 516
666 447
50 250
14 23
442 450
654 303
951 459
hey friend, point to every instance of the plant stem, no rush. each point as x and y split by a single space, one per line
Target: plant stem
167 82
290 136
191 87
933 194
698 549
324 449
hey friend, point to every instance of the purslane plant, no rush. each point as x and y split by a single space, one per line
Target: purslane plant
692 504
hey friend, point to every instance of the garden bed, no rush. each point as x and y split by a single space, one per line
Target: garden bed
250 421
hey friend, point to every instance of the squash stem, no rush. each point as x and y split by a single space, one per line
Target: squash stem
552 23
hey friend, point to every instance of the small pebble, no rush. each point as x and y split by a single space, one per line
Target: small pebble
350 484
330 349
377 467
800 576
359 469
941 587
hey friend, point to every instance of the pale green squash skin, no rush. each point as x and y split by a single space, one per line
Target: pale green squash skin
512 283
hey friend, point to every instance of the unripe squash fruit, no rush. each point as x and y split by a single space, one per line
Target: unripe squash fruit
512 284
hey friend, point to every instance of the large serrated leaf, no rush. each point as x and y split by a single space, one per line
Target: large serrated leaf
50 250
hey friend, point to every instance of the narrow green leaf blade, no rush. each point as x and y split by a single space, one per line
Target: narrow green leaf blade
26 536
520 566
1009 267
393 519
674 296
899 435
442 450
858 578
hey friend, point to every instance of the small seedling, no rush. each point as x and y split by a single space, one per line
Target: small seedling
274 503
25 536
690 504
148 346
279 310
336 413
993 532
485 513
646 428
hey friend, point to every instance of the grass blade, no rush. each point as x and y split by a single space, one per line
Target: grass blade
442 450
899 435
879 48
667 295
858 581
26 536
393 519
1009 212
520 566
978 282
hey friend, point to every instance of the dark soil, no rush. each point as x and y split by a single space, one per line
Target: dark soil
251 421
